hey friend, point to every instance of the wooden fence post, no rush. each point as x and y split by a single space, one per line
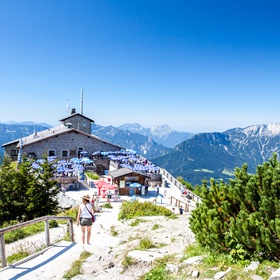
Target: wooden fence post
2 251
71 230
47 233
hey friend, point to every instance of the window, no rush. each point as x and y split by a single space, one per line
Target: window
14 153
64 153
51 153
80 149
32 155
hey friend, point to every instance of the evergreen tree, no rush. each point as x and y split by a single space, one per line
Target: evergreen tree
243 217
6 180
257 226
27 192
42 194
210 220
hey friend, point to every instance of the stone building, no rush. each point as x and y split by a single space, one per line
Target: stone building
66 141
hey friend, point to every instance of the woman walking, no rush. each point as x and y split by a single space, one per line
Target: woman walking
85 218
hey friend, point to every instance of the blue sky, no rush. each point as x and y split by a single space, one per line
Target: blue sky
197 66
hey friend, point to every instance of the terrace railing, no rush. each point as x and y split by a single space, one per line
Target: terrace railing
179 185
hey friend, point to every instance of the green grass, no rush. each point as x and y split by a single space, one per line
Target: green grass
92 175
146 243
220 261
25 249
72 212
158 271
17 256
113 231
107 205
223 262
18 234
136 222
132 209
127 261
156 226
76 267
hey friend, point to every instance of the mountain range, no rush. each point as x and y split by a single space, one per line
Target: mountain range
217 155
195 157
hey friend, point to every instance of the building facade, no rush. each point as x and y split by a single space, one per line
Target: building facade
66 141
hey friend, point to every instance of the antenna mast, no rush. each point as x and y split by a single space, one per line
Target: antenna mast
82 92
68 106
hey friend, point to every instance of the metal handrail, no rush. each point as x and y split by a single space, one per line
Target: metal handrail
44 219
179 185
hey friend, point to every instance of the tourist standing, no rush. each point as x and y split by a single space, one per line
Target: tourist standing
181 210
84 218
157 188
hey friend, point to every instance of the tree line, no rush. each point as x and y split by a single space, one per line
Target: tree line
26 193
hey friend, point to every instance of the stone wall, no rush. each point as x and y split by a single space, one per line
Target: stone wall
71 142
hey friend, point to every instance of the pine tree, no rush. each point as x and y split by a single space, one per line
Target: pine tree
210 220
42 194
244 215
256 227
27 192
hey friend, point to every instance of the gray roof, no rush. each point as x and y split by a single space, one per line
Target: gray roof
51 132
125 171
77 114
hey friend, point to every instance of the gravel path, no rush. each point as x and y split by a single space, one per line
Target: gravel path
107 251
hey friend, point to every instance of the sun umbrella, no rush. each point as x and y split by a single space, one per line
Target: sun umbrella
135 185
109 187
100 183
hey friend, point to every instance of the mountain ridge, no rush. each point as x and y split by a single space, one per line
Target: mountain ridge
217 154
201 157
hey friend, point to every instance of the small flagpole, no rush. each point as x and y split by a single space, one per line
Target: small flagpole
20 152
82 101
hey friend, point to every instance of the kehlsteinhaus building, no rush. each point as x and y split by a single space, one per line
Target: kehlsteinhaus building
66 141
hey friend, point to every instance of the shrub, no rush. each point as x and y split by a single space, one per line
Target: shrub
107 205
241 218
131 209
53 224
92 175
145 243
73 212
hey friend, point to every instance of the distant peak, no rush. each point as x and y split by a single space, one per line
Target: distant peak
264 129
163 127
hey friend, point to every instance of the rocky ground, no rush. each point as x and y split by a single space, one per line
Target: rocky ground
110 259
115 250
116 254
